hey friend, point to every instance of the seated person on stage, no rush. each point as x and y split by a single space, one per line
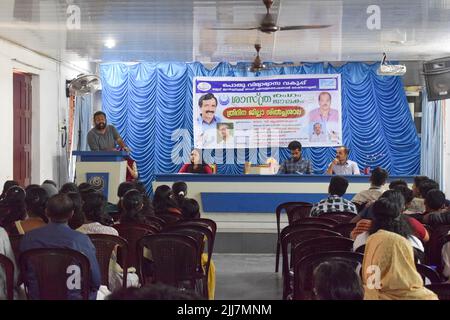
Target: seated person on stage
197 165
57 234
342 165
335 203
295 164
377 180
104 137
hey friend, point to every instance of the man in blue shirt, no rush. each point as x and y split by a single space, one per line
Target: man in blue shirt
57 234
207 121
295 164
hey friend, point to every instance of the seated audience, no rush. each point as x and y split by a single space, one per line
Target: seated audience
445 253
407 195
36 201
14 208
399 182
418 229
417 204
153 292
337 280
163 201
389 271
97 221
8 184
387 216
148 210
335 202
197 165
77 219
50 187
69 187
6 250
435 211
121 190
377 180
57 234
132 204
179 191
190 209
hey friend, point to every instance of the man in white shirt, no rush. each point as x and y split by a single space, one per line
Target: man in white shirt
341 165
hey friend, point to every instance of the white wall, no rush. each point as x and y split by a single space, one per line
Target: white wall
49 109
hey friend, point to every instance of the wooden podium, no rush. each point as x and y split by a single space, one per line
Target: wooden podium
104 170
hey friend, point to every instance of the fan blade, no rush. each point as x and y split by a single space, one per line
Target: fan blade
232 28
305 27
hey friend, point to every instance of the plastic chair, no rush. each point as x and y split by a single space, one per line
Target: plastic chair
211 224
340 217
175 260
105 245
156 221
304 269
327 222
8 267
49 267
441 289
302 209
292 239
132 232
204 229
345 229
322 244
170 218
429 273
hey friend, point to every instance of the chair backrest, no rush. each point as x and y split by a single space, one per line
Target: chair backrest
341 217
8 267
175 257
132 232
47 270
154 220
204 230
325 221
429 273
287 206
441 289
170 218
105 246
322 244
211 224
309 226
15 244
297 212
345 229
304 268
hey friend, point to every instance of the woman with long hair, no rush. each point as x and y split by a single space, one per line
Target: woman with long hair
36 201
163 201
132 205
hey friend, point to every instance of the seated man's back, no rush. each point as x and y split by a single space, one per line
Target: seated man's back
57 234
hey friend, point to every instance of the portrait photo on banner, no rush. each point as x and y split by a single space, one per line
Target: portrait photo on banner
260 112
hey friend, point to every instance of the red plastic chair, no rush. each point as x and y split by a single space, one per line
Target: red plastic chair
294 210
304 268
345 229
49 267
170 218
175 260
340 217
8 267
290 240
326 222
105 245
132 232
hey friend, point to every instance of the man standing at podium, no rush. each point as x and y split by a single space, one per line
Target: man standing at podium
104 137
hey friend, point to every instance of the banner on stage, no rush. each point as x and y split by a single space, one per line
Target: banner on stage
259 112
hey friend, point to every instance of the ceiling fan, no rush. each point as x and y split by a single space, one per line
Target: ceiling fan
84 84
268 24
257 64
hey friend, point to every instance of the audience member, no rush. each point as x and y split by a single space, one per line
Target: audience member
417 205
132 204
6 250
335 201
8 184
77 218
147 210
163 201
389 271
179 191
36 201
396 183
50 187
377 180
337 280
14 207
190 209
435 211
57 234
69 187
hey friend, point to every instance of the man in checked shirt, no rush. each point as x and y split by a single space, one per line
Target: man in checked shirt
295 164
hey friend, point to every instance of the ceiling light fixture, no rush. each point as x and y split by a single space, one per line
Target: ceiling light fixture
110 43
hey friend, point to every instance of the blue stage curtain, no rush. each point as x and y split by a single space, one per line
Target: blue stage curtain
147 102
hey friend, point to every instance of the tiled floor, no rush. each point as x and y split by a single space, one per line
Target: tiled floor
247 277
